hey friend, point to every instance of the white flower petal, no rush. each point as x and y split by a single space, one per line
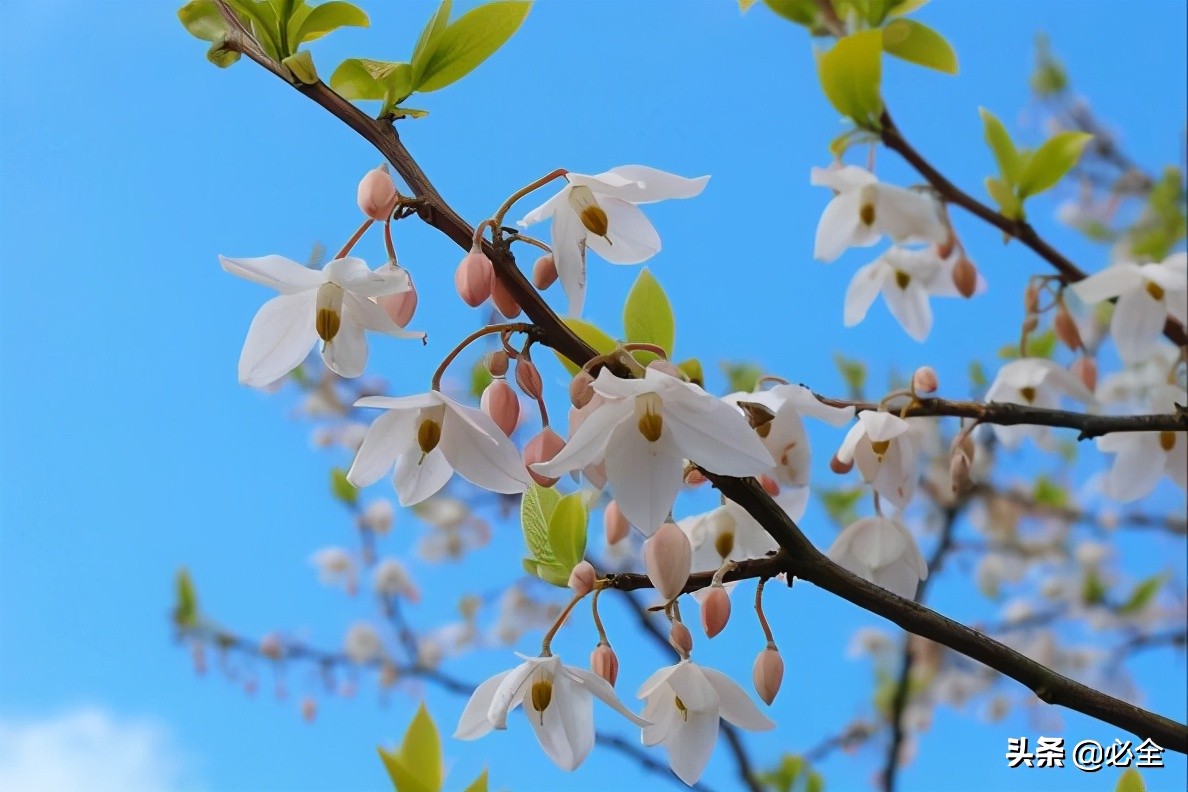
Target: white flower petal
837 227
630 236
1177 462
588 444
474 722
374 318
418 402
1110 282
735 705
1137 469
806 403
389 436
279 338
275 272
656 185
908 216
353 275
346 353
1137 324
849 443
418 476
480 452
644 476
690 683
898 577
843 179
569 256
546 209
690 748
663 714
603 690
715 436
565 729
909 307
655 680
511 690
863 289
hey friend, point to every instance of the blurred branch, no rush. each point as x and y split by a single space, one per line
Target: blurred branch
1070 514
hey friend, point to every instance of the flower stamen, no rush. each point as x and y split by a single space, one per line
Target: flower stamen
1155 290
647 412
542 696
1167 441
592 215
328 318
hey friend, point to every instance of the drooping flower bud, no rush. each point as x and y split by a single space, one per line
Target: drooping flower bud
668 558
768 674
544 272
497 363
1066 328
924 380
474 277
694 477
377 194
839 467
959 466
309 709
581 579
1085 368
715 611
400 306
1031 297
389 675
501 403
665 367
542 448
528 378
271 646
770 485
605 663
614 524
504 300
581 389
965 277
680 636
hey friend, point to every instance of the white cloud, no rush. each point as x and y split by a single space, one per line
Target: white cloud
89 748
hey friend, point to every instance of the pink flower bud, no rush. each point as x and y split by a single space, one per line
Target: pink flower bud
504 300
271 646
668 558
965 277
944 250
503 405
605 663
542 448
474 277
401 306
694 477
770 485
1031 297
614 524
680 636
959 465
715 611
665 367
309 709
377 194
528 378
768 674
1085 368
497 363
581 579
388 675
544 272
924 380
581 389
839 467
1066 328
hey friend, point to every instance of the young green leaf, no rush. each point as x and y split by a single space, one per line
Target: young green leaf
1051 161
600 341
691 368
416 766
1141 595
917 43
1130 781
802 12
479 784
342 489
262 19
1008 203
534 521
428 41
316 22
851 74
185 612
364 79
469 41
647 315
1000 144
567 531
201 18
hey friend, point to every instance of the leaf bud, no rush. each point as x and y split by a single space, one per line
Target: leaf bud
301 66
400 306
581 389
1066 328
680 636
839 467
770 485
528 378
965 277
1085 368
503 299
665 367
497 363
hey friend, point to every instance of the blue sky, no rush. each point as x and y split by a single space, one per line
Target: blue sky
128 448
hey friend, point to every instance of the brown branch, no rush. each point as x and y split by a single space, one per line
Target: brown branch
1073 515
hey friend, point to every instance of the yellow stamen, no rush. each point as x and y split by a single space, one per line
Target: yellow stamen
902 279
327 322
724 543
593 216
763 429
1167 440
880 447
428 435
1155 290
681 708
542 696
647 412
1028 393
328 318
866 209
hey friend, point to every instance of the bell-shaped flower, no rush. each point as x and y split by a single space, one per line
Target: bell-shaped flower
600 212
685 703
1147 295
362 644
882 551
558 700
1144 457
336 567
727 533
882 448
391 579
1036 382
334 305
428 437
645 430
864 210
906 278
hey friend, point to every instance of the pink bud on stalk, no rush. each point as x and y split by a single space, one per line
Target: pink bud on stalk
924 380
768 674
715 610
581 579
1066 328
965 277
668 558
504 300
770 485
542 448
680 636
581 389
377 194
839 467
309 709
544 272
474 277
271 646
501 403
1085 368
528 378
401 306
497 363
605 663
614 524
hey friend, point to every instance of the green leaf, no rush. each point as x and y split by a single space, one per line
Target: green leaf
1051 161
853 372
479 784
1130 781
1093 588
428 41
469 41
552 574
1008 202
417 766
802 12
365 79
600 341
1049 493
301 66
647 315
917 43
324 19
407 112
850 75
741 376
1001 145
567 531
342 489
185 611
534 521
1142 594
220 56
480 378
262 19
814 782
201 18
903 7
691 368
841 505
977 375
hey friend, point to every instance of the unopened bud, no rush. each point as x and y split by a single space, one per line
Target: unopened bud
377 194
605 663
1066 328
271 646
301 66
768 674
839 467
544 272
309 709
715 611
965 277
581 389
501 403
581 579
389 675
680 636
959 465
668 558
1031 297
694 477
665 367
1085 369
770 485
614 524
924 380
474 277
504 300
497 363
528 378
945 249
542 448
401 306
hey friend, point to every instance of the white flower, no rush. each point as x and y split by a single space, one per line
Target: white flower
1144 457
390 578
558 700
379 515
428 437
882 551
362 644
880 444
684 703
600 212
864 210
333 304
335 567
645 430
1036 382
907 278
728 533
1147 295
